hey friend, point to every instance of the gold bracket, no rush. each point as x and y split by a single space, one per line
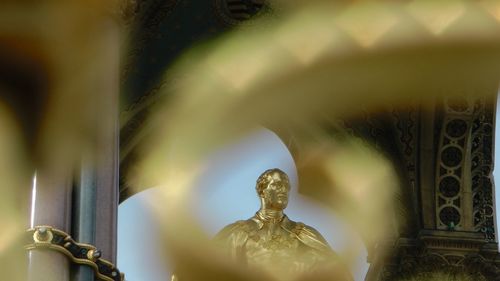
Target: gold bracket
47 237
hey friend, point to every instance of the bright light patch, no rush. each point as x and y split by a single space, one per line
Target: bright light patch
33 202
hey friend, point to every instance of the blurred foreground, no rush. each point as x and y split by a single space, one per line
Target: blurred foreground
304 76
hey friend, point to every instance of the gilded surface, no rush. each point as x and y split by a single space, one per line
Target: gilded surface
272 242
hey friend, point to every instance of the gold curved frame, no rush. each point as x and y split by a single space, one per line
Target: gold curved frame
41 242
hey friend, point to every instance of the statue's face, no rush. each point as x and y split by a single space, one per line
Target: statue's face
276 193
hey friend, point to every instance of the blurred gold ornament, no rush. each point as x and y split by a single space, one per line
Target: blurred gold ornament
437 16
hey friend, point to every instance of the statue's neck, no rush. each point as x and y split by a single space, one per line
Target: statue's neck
270 215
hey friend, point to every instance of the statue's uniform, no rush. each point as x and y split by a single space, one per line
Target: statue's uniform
285 245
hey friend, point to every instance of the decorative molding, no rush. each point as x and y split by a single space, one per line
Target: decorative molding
417 262
464 185
446 241
452 155
404 122
482 168
405 131
49 238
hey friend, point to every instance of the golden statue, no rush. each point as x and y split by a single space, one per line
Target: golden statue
272 242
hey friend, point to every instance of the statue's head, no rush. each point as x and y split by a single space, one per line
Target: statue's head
273 187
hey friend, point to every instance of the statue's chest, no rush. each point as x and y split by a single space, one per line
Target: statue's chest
271 243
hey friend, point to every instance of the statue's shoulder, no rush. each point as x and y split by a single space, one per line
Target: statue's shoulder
311 231
308 235
238 227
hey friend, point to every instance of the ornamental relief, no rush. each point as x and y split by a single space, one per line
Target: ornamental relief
482 168
452 156
434 266
464 167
